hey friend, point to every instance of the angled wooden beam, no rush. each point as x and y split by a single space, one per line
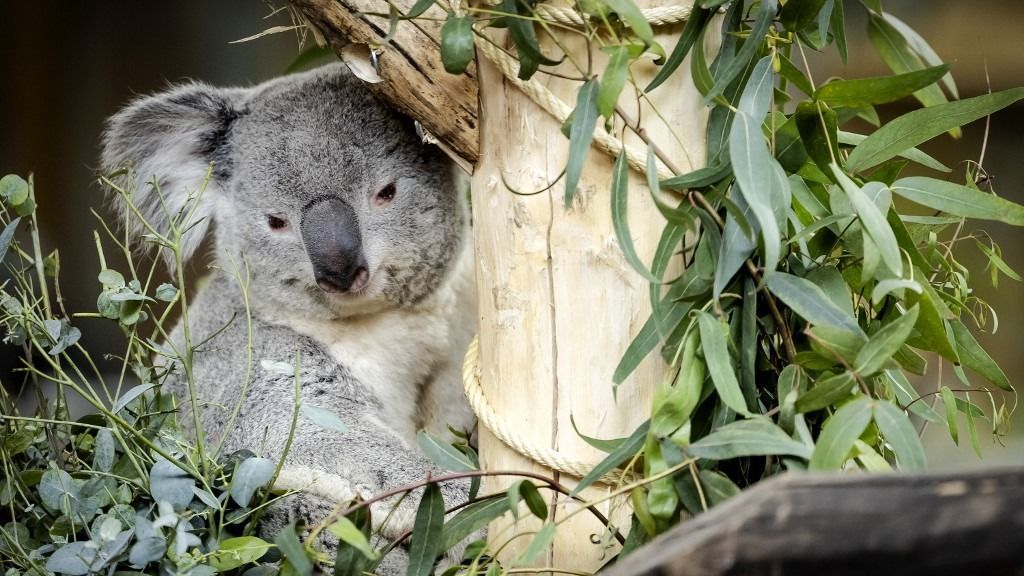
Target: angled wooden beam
850 524
413 79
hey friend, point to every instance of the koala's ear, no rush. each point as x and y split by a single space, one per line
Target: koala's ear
168 144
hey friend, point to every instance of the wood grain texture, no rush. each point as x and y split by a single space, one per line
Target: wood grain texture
413 79
805 524
558 301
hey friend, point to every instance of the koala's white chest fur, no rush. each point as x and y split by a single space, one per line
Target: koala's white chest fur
410 358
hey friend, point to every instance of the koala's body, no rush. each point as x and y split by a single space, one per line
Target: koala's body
354 239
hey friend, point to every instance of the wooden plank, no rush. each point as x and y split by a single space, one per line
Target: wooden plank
856 524
413 79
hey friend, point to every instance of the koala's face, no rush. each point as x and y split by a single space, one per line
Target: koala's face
330 197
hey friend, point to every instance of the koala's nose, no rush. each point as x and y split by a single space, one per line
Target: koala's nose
330 231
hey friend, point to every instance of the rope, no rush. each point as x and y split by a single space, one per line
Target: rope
554 105
485 413
609 144
659 16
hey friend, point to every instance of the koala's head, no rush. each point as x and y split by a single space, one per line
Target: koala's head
328 195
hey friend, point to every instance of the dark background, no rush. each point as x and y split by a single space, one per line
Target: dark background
65 67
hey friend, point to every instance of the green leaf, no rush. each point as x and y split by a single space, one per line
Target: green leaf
166 292
323 418
630 15
837 23
950 402
525 39
765 17
472 518
350 534
624 452
912 154
111 278
921 47
839 433
7 235
692 31
620 221
418 8
900 434
601 444
443 454
811 303
958 200
873 221
919 126
973 356
882 345
13 189
251 474
74 559
737 245
716 352
457 43
580 136
288 543
427 532
674 406
168 483
818 129
897 55
864 92
103 452
751 437
235 552
613 79
827 392
799 14
132 393
752 162
528 492
539 544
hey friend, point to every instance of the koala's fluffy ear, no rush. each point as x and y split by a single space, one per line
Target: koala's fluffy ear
168 143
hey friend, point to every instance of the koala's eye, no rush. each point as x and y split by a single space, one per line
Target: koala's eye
276 222
385 195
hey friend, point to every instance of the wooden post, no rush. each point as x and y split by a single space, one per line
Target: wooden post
558 302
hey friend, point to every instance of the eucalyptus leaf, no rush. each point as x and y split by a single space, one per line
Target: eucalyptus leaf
428 532
251 474
580 136
457 43
540 542
716 354
323 417
751 437
443 454
863 92
811 303
900 434
882 345
839 433
350 534
958 200
624 452
235 552
472 518
913 128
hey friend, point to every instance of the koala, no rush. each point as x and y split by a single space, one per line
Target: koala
351 237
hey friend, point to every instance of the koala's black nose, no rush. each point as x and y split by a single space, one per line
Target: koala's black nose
330 231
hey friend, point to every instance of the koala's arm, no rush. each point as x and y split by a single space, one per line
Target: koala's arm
328 465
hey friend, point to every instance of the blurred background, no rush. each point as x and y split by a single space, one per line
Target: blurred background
66 66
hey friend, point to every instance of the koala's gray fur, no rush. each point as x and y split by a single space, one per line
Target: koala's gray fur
385 358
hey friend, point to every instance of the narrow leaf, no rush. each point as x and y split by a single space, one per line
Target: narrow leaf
620 220
811 303
751 437
900 434
919 126
839 433
762 24
427 533
443 454
716 353
580 136
863 92
882 345
624 452
958 200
